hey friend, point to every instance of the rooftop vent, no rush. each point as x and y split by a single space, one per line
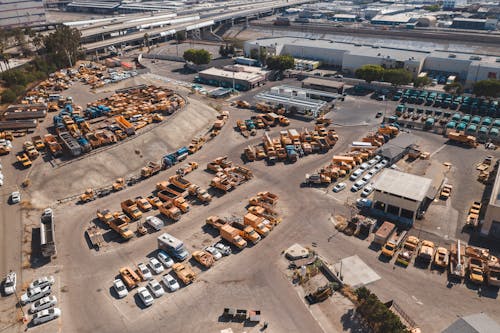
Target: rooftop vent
452 56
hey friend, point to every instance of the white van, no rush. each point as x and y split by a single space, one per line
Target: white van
355 175
154 222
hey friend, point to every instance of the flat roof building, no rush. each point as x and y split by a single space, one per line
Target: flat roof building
491 222
323 85
237 77
19 13
401 201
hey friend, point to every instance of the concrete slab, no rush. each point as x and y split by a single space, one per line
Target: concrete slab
355 272
296 251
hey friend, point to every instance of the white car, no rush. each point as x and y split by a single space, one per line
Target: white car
1 182
377 158
44 303
156 266
42 282
165 259
372 162
384 162
145 296
120 288
358 185
355 175
170 282
224 249
15 197
46 315
367 177
367 191
34 294
214 252
154 222
373 171
9 286
156 288
144 272
364 166
339 187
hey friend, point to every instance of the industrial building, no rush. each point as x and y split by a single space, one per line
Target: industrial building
468 67
323 85
19 13
474 24
397 148
491 223
236 76
401 201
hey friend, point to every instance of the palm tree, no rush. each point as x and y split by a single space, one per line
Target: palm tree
146 40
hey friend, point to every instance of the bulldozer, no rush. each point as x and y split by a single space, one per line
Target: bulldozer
320 294
243 104
141 229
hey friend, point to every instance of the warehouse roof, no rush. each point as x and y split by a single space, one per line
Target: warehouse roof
323 82
476 323
244 76
391 181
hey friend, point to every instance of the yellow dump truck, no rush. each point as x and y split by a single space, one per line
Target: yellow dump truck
169 210
87 196
256 223
130 208
409 249
247 232
119 223
232 235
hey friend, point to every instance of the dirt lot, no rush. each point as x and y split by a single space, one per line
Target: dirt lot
254 277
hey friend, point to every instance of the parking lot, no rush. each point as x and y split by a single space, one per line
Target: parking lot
253 278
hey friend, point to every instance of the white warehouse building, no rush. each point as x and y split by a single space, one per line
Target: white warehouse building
349 57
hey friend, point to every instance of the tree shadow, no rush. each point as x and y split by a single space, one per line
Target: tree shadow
351 323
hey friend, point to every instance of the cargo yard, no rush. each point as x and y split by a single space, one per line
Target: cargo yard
133 201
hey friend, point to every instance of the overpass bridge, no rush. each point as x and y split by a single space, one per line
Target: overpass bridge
99 38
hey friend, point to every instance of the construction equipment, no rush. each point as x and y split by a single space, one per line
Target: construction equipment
196 144
143 204
246 232
169 210
462 138
118 184
256 222
242 128
410 247
476 270
119 223
130 208
30 150
150 169
319 295
184 273
243 104
204 258
23 160
493 272
383 233
426 252
392 245
232 235
215 221
473 215
54 147
174 158
169 195
47 234
222 183
267 213
87 196
392 131
104 215
457 261
201 194
38 142
283 121
179 182
446 191
95 236
154 201
187 168
130 277
125 125
141 229
442 257
250 153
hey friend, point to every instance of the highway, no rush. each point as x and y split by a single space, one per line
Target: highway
458 36
155 32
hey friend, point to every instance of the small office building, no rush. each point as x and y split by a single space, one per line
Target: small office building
491 222
237 77
323 85
397 148
402 201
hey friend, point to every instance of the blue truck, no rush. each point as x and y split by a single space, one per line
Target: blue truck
171 159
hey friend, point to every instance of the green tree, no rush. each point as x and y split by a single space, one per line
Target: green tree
198 57
146 40
370 73
432 8
263 56
421 81
397 77
8 96
280 63
63 46
454 88
254 54
180 36
488 88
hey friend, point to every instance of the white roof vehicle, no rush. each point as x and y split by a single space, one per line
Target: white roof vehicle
358 185
154 222
214 252
170 282
156 266
372 162
355 175
120 288
367 191
373 171
364 166
339 187
35 294
144 271
43 304
15 197
42 282
156 288
9 286
224 249
165 259
367 177
145 296
46 315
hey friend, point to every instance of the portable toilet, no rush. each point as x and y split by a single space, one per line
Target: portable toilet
472 129
476 120
456 117
461 127
494 131
497 123
451 124
486 121
483 130
466 118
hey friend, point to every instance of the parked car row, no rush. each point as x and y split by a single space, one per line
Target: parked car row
38 294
